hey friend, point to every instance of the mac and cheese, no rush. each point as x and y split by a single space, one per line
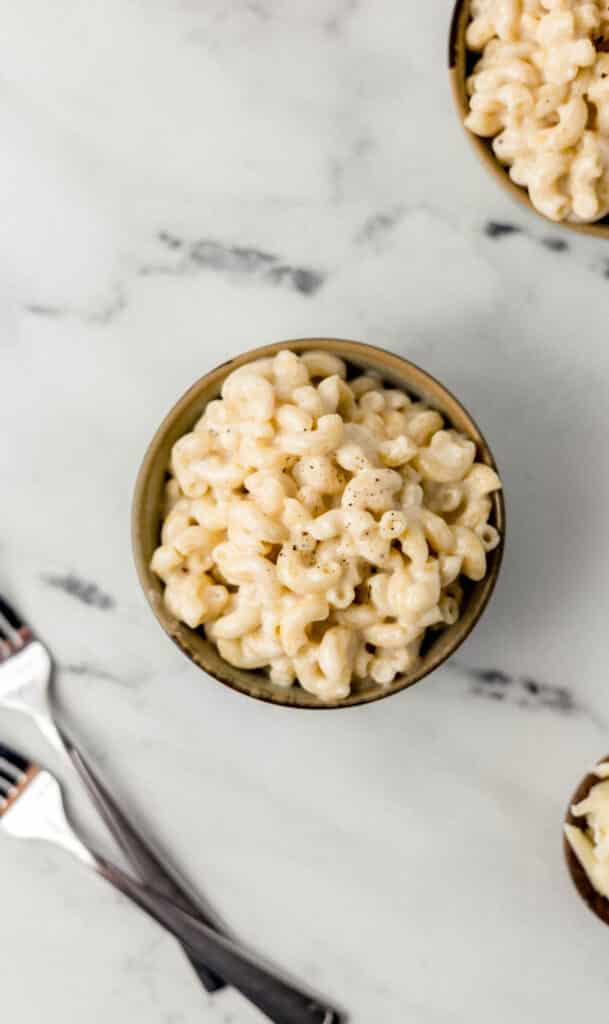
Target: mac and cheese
541 92
317 527
590 843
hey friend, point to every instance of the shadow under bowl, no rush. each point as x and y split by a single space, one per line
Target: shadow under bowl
460 65
147 519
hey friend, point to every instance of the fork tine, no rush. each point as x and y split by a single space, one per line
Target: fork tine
14 759
12 628
9 772
10 615
8 632
13 770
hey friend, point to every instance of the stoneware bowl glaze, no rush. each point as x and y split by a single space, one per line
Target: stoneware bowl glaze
598 904
146 521
460 65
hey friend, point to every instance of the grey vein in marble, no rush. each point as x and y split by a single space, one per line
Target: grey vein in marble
504 229
523 691
92 672
41 309
377 226
338 166
83 590
336 23
498 230
380 225
110 310
105 313
554 244
239 260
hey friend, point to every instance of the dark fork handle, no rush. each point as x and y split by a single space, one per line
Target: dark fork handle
140 855
281 1002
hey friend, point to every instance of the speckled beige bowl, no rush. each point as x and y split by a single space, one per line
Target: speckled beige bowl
146 522
460 66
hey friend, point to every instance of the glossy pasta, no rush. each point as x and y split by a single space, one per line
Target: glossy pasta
541 92
317 527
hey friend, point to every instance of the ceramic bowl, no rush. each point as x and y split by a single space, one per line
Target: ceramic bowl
146 522
460 66
598 904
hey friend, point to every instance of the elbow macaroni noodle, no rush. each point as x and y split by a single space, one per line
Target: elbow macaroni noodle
318 528
541 92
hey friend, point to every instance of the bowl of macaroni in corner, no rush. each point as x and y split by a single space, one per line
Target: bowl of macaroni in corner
318 523
530 80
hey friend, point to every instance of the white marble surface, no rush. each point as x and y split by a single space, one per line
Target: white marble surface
403 858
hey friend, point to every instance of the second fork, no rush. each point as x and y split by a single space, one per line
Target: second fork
25 677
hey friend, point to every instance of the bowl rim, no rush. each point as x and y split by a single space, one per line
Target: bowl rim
482 148
340 346
599 905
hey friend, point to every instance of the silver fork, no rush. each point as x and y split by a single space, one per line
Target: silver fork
25 677
31 807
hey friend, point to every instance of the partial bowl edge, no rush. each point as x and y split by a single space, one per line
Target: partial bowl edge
599 905
457 65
